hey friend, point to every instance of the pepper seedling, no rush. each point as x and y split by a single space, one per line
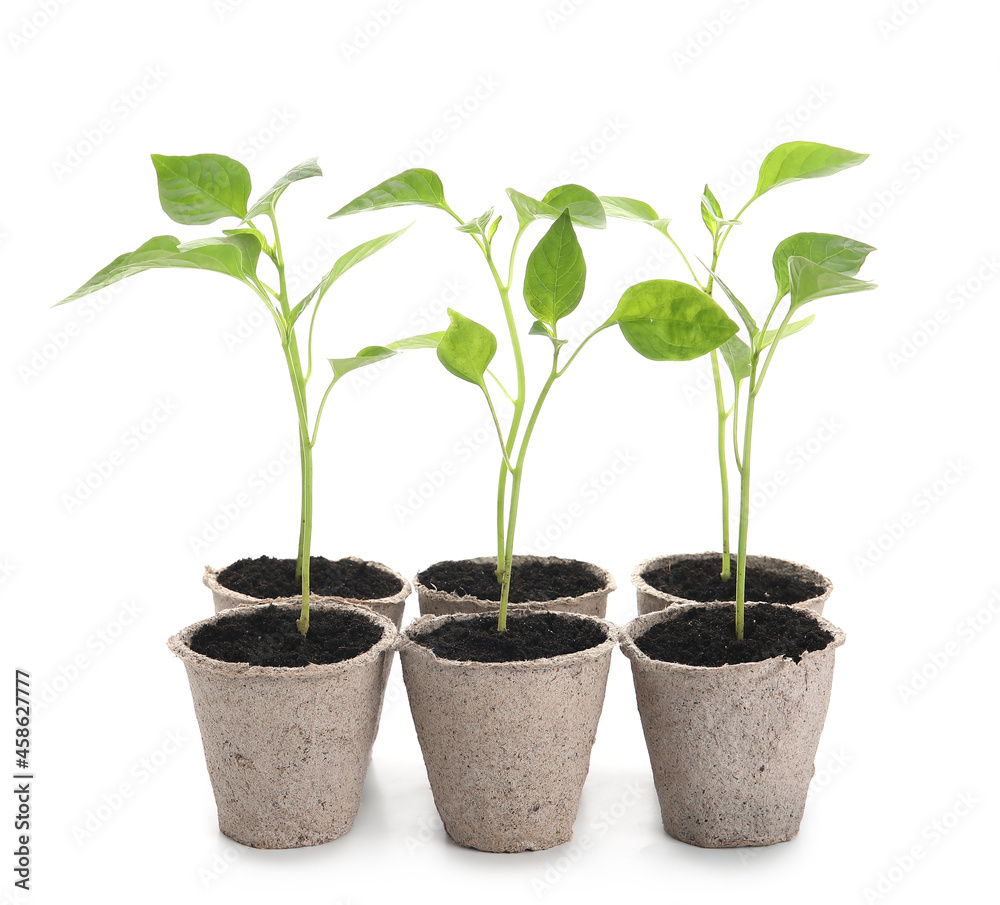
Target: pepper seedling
663 320
200 189
807 266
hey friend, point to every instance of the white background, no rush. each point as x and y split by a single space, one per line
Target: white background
636 98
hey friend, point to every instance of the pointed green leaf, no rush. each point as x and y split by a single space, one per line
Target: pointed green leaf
493 228
631 209
529 210
736 354
367 356
540 329
201 188
711 212
477 225
795 160
467 348
667 320
583 205
556 273
741 310
810 281
832 252
344 263
247 243
423 341
265 204
164 251
409 187
790 330
371 354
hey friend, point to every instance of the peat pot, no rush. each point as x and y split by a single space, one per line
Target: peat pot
732 747
436 601
287 748
808 587
506 744
390 605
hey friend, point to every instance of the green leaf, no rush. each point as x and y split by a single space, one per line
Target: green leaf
493 228
631 209
667 320
741 310
265 204
478 225
736 354
247 243
555 274
540 329
344 263
711 212
790 330
409 187
529 210
467 348
423 341
795 160
810 281
583 205
371 354
367 356
832 252
202 188
164 251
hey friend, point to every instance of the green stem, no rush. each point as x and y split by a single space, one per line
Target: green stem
723 470
515 492
770 352
741 553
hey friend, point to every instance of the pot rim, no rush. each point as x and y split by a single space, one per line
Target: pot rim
179 643
636 628
644 587
407 641
210 579
492 606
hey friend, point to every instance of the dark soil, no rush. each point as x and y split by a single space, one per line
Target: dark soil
541 581
529 636
267 636
266 577
701 636
698 579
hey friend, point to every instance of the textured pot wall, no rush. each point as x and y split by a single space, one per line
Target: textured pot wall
650 599
287 749
443 603
732 747
391 607
506 745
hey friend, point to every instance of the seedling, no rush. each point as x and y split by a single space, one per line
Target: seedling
664 320
204 188
807 266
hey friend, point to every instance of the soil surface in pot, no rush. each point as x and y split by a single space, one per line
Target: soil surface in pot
267 636
699 579
529 636
532 581
267 577
707 637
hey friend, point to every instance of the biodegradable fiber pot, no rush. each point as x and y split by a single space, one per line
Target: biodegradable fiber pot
651 599
732 747
392 607
434 602
506 745
287 748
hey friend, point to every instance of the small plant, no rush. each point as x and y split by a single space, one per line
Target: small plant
807 266
203 188
664 320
